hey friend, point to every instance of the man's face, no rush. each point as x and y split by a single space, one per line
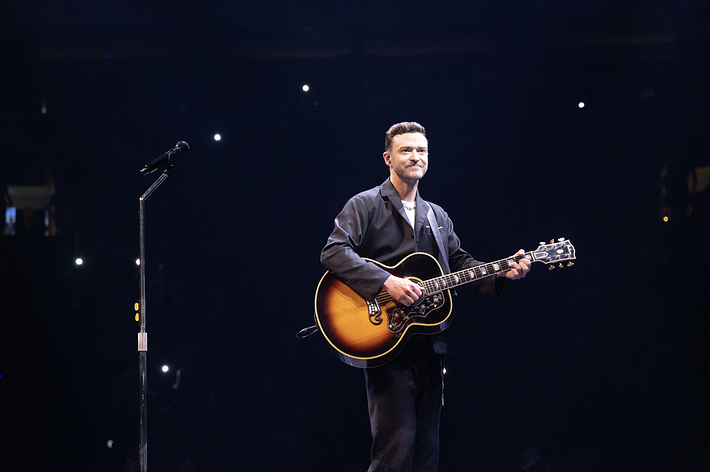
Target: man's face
409 156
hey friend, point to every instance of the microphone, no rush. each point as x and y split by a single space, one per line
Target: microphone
180 148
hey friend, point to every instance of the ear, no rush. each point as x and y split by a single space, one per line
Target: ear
388 160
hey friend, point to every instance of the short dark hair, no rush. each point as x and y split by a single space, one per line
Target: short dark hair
402 128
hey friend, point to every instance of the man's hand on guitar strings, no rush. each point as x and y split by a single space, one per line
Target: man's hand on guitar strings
402 290
518 269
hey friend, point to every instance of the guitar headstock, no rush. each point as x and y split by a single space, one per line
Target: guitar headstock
554 253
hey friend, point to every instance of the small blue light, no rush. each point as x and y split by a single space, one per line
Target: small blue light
106 56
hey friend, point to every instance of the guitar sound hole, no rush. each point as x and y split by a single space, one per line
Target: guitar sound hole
422 297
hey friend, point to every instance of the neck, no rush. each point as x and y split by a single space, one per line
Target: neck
406 189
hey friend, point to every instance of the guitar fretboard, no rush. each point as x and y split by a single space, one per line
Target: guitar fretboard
448 281
551 254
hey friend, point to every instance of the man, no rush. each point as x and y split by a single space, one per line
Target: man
386 224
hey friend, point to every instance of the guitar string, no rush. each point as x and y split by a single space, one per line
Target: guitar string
452 280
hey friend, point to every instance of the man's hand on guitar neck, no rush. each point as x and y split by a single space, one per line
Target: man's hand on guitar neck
402 290
518 270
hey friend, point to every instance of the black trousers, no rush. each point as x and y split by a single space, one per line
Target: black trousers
404 400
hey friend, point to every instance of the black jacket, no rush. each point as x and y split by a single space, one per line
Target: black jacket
373 224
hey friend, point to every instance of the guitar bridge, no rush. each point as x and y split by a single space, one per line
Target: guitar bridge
374 312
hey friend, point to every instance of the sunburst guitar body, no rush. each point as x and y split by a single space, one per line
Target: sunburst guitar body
370 333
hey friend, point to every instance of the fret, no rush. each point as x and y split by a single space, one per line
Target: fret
565 251
472 274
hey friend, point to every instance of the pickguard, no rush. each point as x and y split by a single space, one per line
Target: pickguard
400 316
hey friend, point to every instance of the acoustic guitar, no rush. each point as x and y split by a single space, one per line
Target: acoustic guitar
370 333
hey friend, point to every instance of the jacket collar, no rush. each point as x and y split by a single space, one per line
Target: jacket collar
388 192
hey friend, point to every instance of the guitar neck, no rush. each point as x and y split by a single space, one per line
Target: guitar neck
472 274
553 253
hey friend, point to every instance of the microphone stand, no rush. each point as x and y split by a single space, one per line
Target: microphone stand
142 335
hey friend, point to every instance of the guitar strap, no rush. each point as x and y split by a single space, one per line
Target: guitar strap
440 345
434 225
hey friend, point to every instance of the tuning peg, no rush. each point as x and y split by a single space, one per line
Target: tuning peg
551 267
570 264
552 241
561 266
542 243
561 239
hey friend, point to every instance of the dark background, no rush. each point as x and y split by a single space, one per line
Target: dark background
602 366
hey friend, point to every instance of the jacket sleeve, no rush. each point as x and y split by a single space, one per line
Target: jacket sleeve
340 254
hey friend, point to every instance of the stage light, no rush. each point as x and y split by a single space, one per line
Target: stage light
581 105
10 221
665 219
306 88
138 262
218 137
106 56
79 261
109 443
165 368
